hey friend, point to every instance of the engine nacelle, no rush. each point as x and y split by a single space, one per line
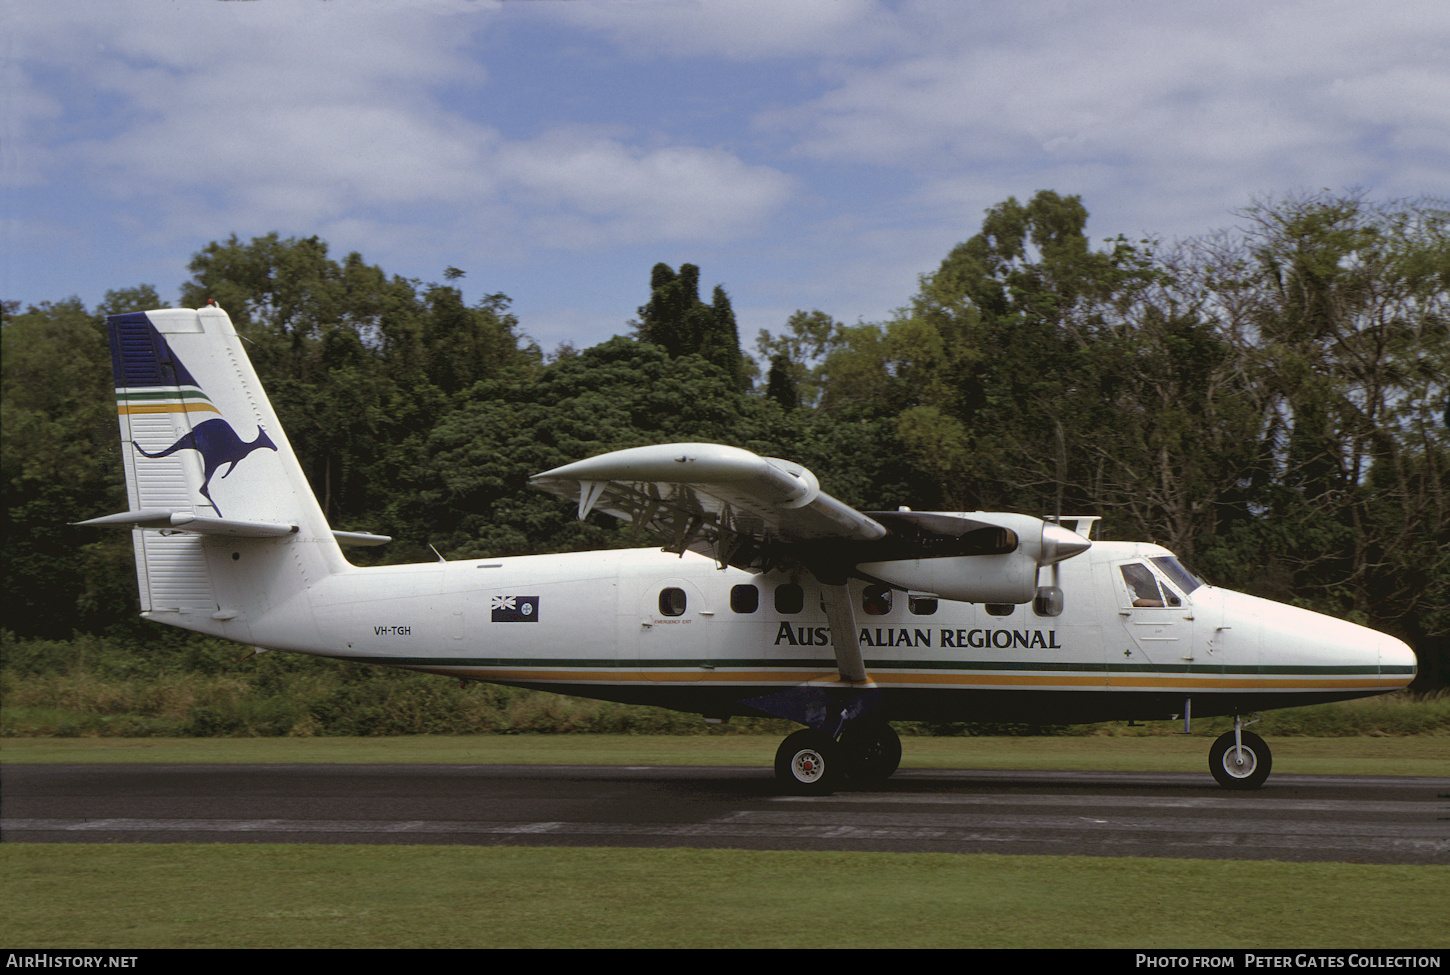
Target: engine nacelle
1002 576
966 578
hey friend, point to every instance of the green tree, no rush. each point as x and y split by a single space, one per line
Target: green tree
798 351
994 370
471 492
357 363
60 465
677 320
126 300
1347 311
780 384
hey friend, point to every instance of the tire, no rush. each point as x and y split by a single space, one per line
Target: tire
809 763
871 751
1231 773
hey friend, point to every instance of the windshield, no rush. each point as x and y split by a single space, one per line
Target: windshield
1174 570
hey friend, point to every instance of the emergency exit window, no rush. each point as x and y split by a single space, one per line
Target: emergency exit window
672 602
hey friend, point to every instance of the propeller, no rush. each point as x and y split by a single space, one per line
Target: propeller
1058 543
1058 483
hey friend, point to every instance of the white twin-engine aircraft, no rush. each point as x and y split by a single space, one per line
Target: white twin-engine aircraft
769 597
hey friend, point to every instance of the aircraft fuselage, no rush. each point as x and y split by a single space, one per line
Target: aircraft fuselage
642 626
856 619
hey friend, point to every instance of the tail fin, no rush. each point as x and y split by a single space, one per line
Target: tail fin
225 524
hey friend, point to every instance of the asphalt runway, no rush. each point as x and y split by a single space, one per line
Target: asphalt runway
1294 817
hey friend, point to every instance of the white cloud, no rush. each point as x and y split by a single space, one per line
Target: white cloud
1160 101
830 149
233 96
263 116
593 189
736 29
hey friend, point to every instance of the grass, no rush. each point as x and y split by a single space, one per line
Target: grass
1149 753
247 896
320 896
317 895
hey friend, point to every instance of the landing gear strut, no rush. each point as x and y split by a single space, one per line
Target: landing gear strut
872 751
1239 759
811 762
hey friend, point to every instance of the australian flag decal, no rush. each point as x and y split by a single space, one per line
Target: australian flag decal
515 609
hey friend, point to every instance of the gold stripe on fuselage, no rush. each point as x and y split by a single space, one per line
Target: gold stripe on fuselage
926 679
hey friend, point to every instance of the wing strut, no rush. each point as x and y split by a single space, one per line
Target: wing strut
589 494
844 639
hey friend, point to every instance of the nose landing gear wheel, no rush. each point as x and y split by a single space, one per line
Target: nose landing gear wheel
1233 770
808 763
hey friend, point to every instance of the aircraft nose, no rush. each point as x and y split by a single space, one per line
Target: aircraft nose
1397 660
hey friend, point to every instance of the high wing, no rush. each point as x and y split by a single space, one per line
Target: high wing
738 507
763 513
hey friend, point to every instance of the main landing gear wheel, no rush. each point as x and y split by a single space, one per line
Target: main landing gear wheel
872 752
1240 771
809 763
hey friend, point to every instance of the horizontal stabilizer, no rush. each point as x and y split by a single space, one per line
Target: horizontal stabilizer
360 539
186 521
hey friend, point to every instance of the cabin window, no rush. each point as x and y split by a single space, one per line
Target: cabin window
744 599
789 598
672 602
999 609
876 600
921 605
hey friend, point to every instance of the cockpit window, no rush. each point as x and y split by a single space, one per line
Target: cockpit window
1145 588
1176 573
1142 585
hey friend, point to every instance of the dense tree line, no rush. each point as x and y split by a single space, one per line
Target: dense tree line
1270 402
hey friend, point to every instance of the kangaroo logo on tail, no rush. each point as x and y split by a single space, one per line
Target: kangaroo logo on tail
152 379
218 444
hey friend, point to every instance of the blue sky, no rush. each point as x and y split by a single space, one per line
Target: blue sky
806 154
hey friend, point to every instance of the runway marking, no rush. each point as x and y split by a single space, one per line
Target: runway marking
124 825
1198 826
1428 840
1229 803
1397 821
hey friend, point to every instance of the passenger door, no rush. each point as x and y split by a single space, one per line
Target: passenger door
1155 615
673 639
